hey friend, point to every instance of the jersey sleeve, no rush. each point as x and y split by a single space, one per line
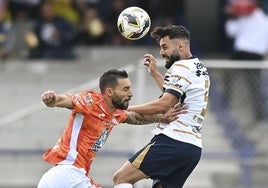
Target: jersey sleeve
178 80
82 102
121 116
124 116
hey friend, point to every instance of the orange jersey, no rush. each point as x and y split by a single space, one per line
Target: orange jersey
89 125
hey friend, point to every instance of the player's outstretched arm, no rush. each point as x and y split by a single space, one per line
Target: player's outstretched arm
151 62
171 115
52 99
158 106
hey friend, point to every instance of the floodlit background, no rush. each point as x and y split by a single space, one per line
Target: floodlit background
235 153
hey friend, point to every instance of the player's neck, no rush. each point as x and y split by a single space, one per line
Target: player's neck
110 106
188 55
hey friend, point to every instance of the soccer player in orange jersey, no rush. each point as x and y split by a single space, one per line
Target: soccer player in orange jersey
93 116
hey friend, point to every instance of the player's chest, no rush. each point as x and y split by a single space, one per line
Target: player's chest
98 121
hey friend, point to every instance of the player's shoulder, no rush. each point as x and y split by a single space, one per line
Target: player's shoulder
94 93
91 93
187 63
120 112
90 97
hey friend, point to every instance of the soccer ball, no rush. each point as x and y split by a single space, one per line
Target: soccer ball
133 23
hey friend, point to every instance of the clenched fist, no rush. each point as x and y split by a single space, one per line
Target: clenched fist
49 98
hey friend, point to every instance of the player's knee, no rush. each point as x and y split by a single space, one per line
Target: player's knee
116 178
120 177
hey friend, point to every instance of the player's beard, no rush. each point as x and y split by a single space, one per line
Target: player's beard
172 59
119 104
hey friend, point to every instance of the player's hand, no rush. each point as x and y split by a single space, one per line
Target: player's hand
172 114
49 98
150 62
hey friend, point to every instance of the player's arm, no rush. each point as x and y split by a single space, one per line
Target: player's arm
159 106
171 115
151 63
52 99
158 79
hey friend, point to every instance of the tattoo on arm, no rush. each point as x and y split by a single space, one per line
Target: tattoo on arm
137 119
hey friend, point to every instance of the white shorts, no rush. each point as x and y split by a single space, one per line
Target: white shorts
66 176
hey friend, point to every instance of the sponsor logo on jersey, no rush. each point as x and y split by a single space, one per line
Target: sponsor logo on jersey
100 141
88 99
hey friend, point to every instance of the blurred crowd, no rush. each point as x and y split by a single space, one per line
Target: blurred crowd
50 29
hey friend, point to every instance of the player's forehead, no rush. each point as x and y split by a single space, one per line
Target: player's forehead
166 41
124 83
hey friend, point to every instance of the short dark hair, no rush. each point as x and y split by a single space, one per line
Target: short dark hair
110 78
173 31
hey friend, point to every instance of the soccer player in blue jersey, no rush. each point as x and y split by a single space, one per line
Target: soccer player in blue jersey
175 149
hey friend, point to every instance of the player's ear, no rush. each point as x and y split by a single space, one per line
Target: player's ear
180 45
109 91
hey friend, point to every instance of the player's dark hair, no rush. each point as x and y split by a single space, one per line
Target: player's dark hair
173 31
110 78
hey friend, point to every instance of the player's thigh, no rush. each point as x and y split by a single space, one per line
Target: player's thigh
175 174
64 176
53 178
176 179
128 173
164 155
